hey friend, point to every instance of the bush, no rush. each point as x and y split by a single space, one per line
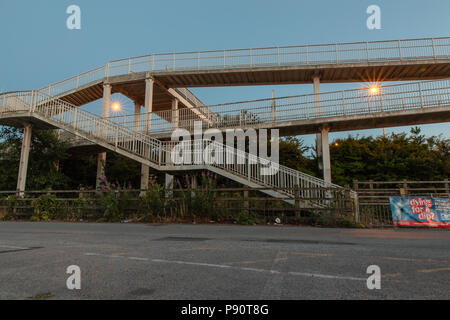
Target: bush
153 201
44 208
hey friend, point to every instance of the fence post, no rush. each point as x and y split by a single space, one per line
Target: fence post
297 201
246 201
404 190
347 197
447 189
355 185
356 203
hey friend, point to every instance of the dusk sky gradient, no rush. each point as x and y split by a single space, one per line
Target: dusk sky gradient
37 49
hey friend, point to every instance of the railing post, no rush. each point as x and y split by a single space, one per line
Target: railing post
367 51
337 57
307 55
116 138
421 96
198 60
434 48
278 56
160 153
400 50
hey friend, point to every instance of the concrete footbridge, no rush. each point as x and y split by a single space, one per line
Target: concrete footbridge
159 82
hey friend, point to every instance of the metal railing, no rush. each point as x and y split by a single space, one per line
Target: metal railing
305 55
99 130
424 95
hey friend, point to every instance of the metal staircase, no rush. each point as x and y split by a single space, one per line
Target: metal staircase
155 153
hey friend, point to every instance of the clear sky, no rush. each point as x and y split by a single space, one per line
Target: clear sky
37 48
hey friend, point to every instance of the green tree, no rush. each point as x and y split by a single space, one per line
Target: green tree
46 152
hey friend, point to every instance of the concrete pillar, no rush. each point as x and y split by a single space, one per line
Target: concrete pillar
148 108
101 158
316 82
175 114
137 117
24 156
169 185
274 108
326 162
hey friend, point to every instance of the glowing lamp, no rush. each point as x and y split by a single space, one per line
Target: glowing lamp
374 90
116 106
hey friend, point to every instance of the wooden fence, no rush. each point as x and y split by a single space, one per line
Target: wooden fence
373 197
218 204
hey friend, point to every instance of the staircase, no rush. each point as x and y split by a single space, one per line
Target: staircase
156 153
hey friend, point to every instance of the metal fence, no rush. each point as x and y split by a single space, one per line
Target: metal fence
241 166
339 53
203 203
418 96
373 197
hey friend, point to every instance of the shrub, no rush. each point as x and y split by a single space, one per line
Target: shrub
44 208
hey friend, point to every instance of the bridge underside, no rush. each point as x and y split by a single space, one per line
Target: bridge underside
133 85
346 72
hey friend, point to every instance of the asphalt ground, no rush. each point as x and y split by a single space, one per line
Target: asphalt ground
148 261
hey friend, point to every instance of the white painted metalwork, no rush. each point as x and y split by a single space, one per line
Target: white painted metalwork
156 153
425 95
306 55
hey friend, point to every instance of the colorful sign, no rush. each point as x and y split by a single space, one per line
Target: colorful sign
420 211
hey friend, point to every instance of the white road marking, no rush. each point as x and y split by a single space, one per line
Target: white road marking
194 263
13 247
223 266
139 259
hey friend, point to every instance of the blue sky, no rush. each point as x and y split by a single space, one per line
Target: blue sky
37 49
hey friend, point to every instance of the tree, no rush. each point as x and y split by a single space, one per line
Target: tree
43 167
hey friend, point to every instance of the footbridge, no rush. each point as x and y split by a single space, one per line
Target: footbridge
33 107
159 82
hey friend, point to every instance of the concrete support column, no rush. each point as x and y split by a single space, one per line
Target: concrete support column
169 185
274 108
137 117
24 156
175 114
101 159
148 108
316 82
326 162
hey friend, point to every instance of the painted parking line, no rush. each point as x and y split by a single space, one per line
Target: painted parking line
229 267
255 261
434 270
14 247
308 254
